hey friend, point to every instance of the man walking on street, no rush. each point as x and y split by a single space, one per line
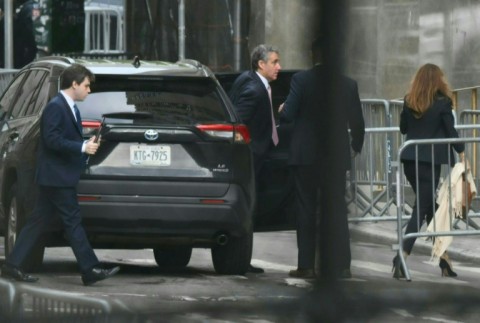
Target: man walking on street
62 155
252 97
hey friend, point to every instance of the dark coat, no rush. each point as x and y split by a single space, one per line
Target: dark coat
60 160
306 105
436 123
252 104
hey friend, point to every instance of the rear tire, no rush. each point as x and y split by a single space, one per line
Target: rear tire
15 221
173 257
234 257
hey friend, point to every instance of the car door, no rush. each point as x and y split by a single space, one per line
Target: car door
275 185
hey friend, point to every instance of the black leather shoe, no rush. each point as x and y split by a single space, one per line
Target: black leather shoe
302 273
96 274
11 272
255 270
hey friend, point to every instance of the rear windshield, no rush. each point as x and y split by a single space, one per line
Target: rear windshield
170 101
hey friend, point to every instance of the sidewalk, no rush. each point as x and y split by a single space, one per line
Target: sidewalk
463 248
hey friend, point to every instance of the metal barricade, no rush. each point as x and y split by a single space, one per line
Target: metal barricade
7 300
470 227
371 178
469 116
104 29
33 304
376 113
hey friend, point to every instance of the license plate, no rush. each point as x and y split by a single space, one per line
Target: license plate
144 155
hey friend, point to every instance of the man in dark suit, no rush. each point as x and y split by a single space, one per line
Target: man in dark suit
307 106
61 159
251 96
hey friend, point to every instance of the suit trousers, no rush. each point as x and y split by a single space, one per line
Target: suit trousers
54 204
425 206
321 219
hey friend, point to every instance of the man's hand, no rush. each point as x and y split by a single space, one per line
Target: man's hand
91 146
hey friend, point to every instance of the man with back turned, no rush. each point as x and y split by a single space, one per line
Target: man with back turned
320 153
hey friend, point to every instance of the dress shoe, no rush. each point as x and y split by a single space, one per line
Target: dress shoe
446 269
255 270
12 272
96 274
302 273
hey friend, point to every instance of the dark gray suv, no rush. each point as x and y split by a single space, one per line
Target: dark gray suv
173 172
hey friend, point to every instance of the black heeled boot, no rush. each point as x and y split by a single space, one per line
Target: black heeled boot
446 269
397 268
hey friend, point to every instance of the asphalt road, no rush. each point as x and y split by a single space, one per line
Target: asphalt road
198 294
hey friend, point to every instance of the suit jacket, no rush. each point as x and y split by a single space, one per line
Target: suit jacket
436 123
306 104
252 104
60 160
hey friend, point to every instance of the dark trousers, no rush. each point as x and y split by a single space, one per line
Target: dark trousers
54 204
319 204
424 206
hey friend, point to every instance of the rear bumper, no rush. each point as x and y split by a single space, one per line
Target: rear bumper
134 221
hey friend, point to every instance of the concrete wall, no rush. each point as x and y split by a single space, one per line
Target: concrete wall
288 25
390 39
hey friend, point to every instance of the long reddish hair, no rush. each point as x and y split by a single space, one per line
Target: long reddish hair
428 82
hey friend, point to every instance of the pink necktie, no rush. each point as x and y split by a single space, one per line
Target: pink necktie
274 128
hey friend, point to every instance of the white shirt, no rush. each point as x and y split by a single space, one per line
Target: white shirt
264 80
71 103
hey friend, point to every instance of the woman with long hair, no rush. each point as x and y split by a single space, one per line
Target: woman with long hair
426 114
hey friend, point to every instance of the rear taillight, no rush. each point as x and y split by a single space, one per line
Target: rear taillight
242 134
90 128
239 133
87 198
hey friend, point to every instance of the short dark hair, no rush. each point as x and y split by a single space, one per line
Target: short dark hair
260 53
75 73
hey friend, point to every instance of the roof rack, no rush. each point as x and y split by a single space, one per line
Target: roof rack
58 58
206 70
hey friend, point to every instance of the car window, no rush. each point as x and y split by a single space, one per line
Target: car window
39 98
28 94
171 101
9 97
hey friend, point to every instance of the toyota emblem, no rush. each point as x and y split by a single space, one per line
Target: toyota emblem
151 135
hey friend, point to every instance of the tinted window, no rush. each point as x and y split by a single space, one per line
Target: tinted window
28 94
9 97
169 100
39 98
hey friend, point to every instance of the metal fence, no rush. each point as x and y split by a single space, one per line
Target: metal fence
468 229
378 189
26 303
104 30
